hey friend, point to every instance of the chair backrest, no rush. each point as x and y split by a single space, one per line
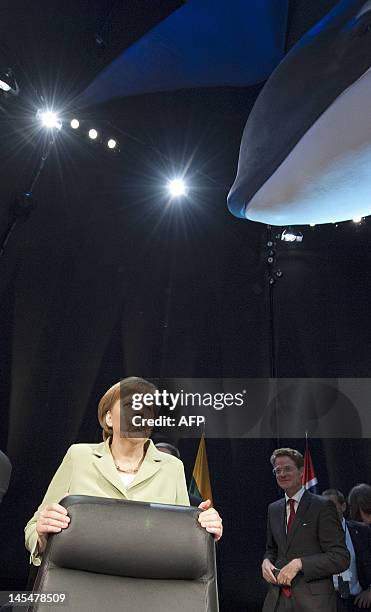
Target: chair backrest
129 556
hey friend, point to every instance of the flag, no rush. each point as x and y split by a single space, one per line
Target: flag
200 484
310 481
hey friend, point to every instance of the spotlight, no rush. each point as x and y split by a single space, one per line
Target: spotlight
357 219
177 188
312 225
93 134
4 85
75 123
8 84
111 144
291 235
49 119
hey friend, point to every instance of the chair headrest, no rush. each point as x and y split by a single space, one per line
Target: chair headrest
133 539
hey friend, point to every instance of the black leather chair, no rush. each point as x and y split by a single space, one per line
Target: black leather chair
129 556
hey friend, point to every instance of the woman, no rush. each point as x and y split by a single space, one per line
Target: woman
359 503
126 465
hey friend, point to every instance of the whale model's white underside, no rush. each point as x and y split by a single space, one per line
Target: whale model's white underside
327 175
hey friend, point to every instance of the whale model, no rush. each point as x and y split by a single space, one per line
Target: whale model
305 155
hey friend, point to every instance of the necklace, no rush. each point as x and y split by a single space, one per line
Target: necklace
131 470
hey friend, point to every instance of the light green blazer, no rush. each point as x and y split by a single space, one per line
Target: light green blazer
88 469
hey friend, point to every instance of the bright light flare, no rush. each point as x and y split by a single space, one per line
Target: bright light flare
75 124
357 219
49 119
111 144
177 188
93 134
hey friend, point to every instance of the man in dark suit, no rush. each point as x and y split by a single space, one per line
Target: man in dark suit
353 587
305 543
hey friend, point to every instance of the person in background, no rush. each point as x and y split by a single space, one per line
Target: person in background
127 465
353 587
359 503
170 449
5 472
305 543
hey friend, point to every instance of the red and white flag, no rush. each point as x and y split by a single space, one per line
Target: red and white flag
310 481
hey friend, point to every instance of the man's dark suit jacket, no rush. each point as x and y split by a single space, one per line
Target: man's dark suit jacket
317 538
361 538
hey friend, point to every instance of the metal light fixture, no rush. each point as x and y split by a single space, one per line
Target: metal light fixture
8 84
291 235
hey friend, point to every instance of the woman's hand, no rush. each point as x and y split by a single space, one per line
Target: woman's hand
210 519
52 519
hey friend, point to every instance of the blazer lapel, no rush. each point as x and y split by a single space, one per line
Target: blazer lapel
151 465
300 512
103 461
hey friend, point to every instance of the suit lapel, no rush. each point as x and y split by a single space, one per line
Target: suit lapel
359 543
280 519
301 511
103 460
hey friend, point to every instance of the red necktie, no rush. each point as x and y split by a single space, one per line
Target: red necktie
286 590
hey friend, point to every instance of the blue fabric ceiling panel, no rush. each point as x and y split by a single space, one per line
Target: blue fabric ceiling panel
205 43
306 150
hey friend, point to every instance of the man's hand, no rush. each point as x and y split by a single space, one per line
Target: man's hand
288 572
363 600
210 519
267 571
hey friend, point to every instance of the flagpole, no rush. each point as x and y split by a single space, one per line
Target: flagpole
305 457
272 345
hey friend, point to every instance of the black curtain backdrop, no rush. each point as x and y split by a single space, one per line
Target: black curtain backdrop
104 280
